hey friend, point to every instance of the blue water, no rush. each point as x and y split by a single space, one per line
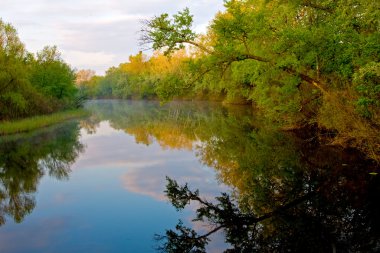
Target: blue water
97 184
113 200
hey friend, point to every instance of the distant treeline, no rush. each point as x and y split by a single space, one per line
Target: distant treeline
33 84
143 77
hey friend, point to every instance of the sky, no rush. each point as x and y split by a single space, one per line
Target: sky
94 34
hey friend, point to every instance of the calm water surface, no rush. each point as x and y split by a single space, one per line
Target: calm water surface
97 185
94 185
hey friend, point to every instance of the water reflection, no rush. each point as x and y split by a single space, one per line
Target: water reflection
231 139
174 126
310 197
25 159
320 198
331 209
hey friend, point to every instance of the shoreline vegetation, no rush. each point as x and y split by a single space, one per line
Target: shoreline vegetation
41 121
34 84
298 63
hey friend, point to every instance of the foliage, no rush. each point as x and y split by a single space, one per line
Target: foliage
52 75
29 85
170 33
83 75
300 62
140 78
367 81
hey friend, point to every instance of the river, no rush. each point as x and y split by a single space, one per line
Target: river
98 184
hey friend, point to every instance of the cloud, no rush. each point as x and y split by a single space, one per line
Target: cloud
33 241
99 28
114 149
150 181
90 60
145 167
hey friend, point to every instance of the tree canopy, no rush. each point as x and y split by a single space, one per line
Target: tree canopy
29 84
300 62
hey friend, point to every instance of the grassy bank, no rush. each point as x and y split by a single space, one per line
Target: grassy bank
29 124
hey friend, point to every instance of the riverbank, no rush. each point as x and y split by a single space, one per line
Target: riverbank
32 123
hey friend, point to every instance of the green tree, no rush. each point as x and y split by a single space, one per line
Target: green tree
18 97
300 62
52 75
30 86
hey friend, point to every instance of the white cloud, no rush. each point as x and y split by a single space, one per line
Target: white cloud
94 34
88 59
110 19
201 28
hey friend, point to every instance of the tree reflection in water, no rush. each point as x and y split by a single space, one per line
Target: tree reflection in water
334 209
25 159
290 194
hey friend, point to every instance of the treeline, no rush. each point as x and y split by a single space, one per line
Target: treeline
142 77
33 84
160 77
298 62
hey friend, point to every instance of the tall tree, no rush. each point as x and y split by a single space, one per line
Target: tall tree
301 62
18 97
84 75
52 75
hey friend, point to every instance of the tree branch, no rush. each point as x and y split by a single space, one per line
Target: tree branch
201 47
307 79
316 6
210 232
171 37
188 85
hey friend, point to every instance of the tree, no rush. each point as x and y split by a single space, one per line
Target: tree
300 62
18 97
32 85
52 75
84 75
163 32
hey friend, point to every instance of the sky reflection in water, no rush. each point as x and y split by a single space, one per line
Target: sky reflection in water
113 201
98 185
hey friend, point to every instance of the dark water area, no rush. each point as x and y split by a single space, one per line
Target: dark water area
97 184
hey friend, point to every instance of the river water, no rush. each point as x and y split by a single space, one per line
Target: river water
97 184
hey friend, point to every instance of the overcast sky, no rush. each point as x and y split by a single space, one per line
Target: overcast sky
94 34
